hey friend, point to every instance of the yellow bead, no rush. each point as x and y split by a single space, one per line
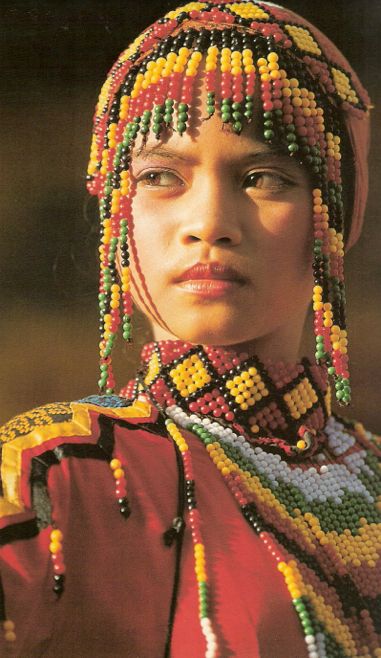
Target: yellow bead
8 625
115 463
197 56
55 547
56 535
118 473
236 70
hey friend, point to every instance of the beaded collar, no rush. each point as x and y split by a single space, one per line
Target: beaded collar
282 406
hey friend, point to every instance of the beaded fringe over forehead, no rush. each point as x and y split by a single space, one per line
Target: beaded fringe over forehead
307 94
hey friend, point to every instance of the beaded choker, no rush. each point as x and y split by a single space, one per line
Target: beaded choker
284 407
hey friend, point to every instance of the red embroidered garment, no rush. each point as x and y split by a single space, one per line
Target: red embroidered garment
119 573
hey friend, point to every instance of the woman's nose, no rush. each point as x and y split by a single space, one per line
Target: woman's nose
214 216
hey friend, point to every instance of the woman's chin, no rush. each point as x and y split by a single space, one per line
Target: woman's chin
210 335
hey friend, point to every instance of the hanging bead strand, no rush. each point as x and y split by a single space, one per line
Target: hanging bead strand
198 543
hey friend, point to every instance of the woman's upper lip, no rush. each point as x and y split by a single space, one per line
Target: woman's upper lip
210 271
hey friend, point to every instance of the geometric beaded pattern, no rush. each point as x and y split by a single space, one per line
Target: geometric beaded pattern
300 399
189 375
218 383
247 388
303 39
343 86
24 423
153 370
248 10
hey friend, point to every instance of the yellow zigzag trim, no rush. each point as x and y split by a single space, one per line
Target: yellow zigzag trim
78 425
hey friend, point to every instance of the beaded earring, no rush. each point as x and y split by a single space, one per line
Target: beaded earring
246 48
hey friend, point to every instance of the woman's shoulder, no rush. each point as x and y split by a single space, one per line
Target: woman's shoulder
48 419
36 439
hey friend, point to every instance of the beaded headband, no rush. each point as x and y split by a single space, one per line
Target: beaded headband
309 97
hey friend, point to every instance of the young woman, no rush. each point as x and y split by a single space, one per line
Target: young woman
215 506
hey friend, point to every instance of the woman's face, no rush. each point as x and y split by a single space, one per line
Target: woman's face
222 231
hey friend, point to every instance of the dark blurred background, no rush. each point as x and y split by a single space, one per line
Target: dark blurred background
54 58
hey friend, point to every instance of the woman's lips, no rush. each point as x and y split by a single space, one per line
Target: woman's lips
210 280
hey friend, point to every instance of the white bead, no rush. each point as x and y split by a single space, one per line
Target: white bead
310 639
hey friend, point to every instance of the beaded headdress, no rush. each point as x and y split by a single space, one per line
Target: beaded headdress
311 103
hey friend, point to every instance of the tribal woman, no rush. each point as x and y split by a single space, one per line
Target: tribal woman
215 505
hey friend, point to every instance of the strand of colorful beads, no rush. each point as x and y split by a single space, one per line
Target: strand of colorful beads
198 543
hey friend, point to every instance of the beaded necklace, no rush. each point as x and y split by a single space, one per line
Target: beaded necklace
311 496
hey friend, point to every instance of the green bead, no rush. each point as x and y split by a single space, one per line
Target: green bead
237 116
167 118
291 137
225 117
237 127
144 130
248 114
182 117
269 134
183 107
249 105
268 123
293 148
169 102
236 106
267 115
181 126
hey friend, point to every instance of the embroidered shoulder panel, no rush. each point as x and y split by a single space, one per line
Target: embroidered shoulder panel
56 412
54 427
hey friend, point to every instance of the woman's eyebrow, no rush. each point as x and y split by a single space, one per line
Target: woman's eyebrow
271 154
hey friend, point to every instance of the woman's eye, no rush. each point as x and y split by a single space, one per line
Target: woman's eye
159 178
266 180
